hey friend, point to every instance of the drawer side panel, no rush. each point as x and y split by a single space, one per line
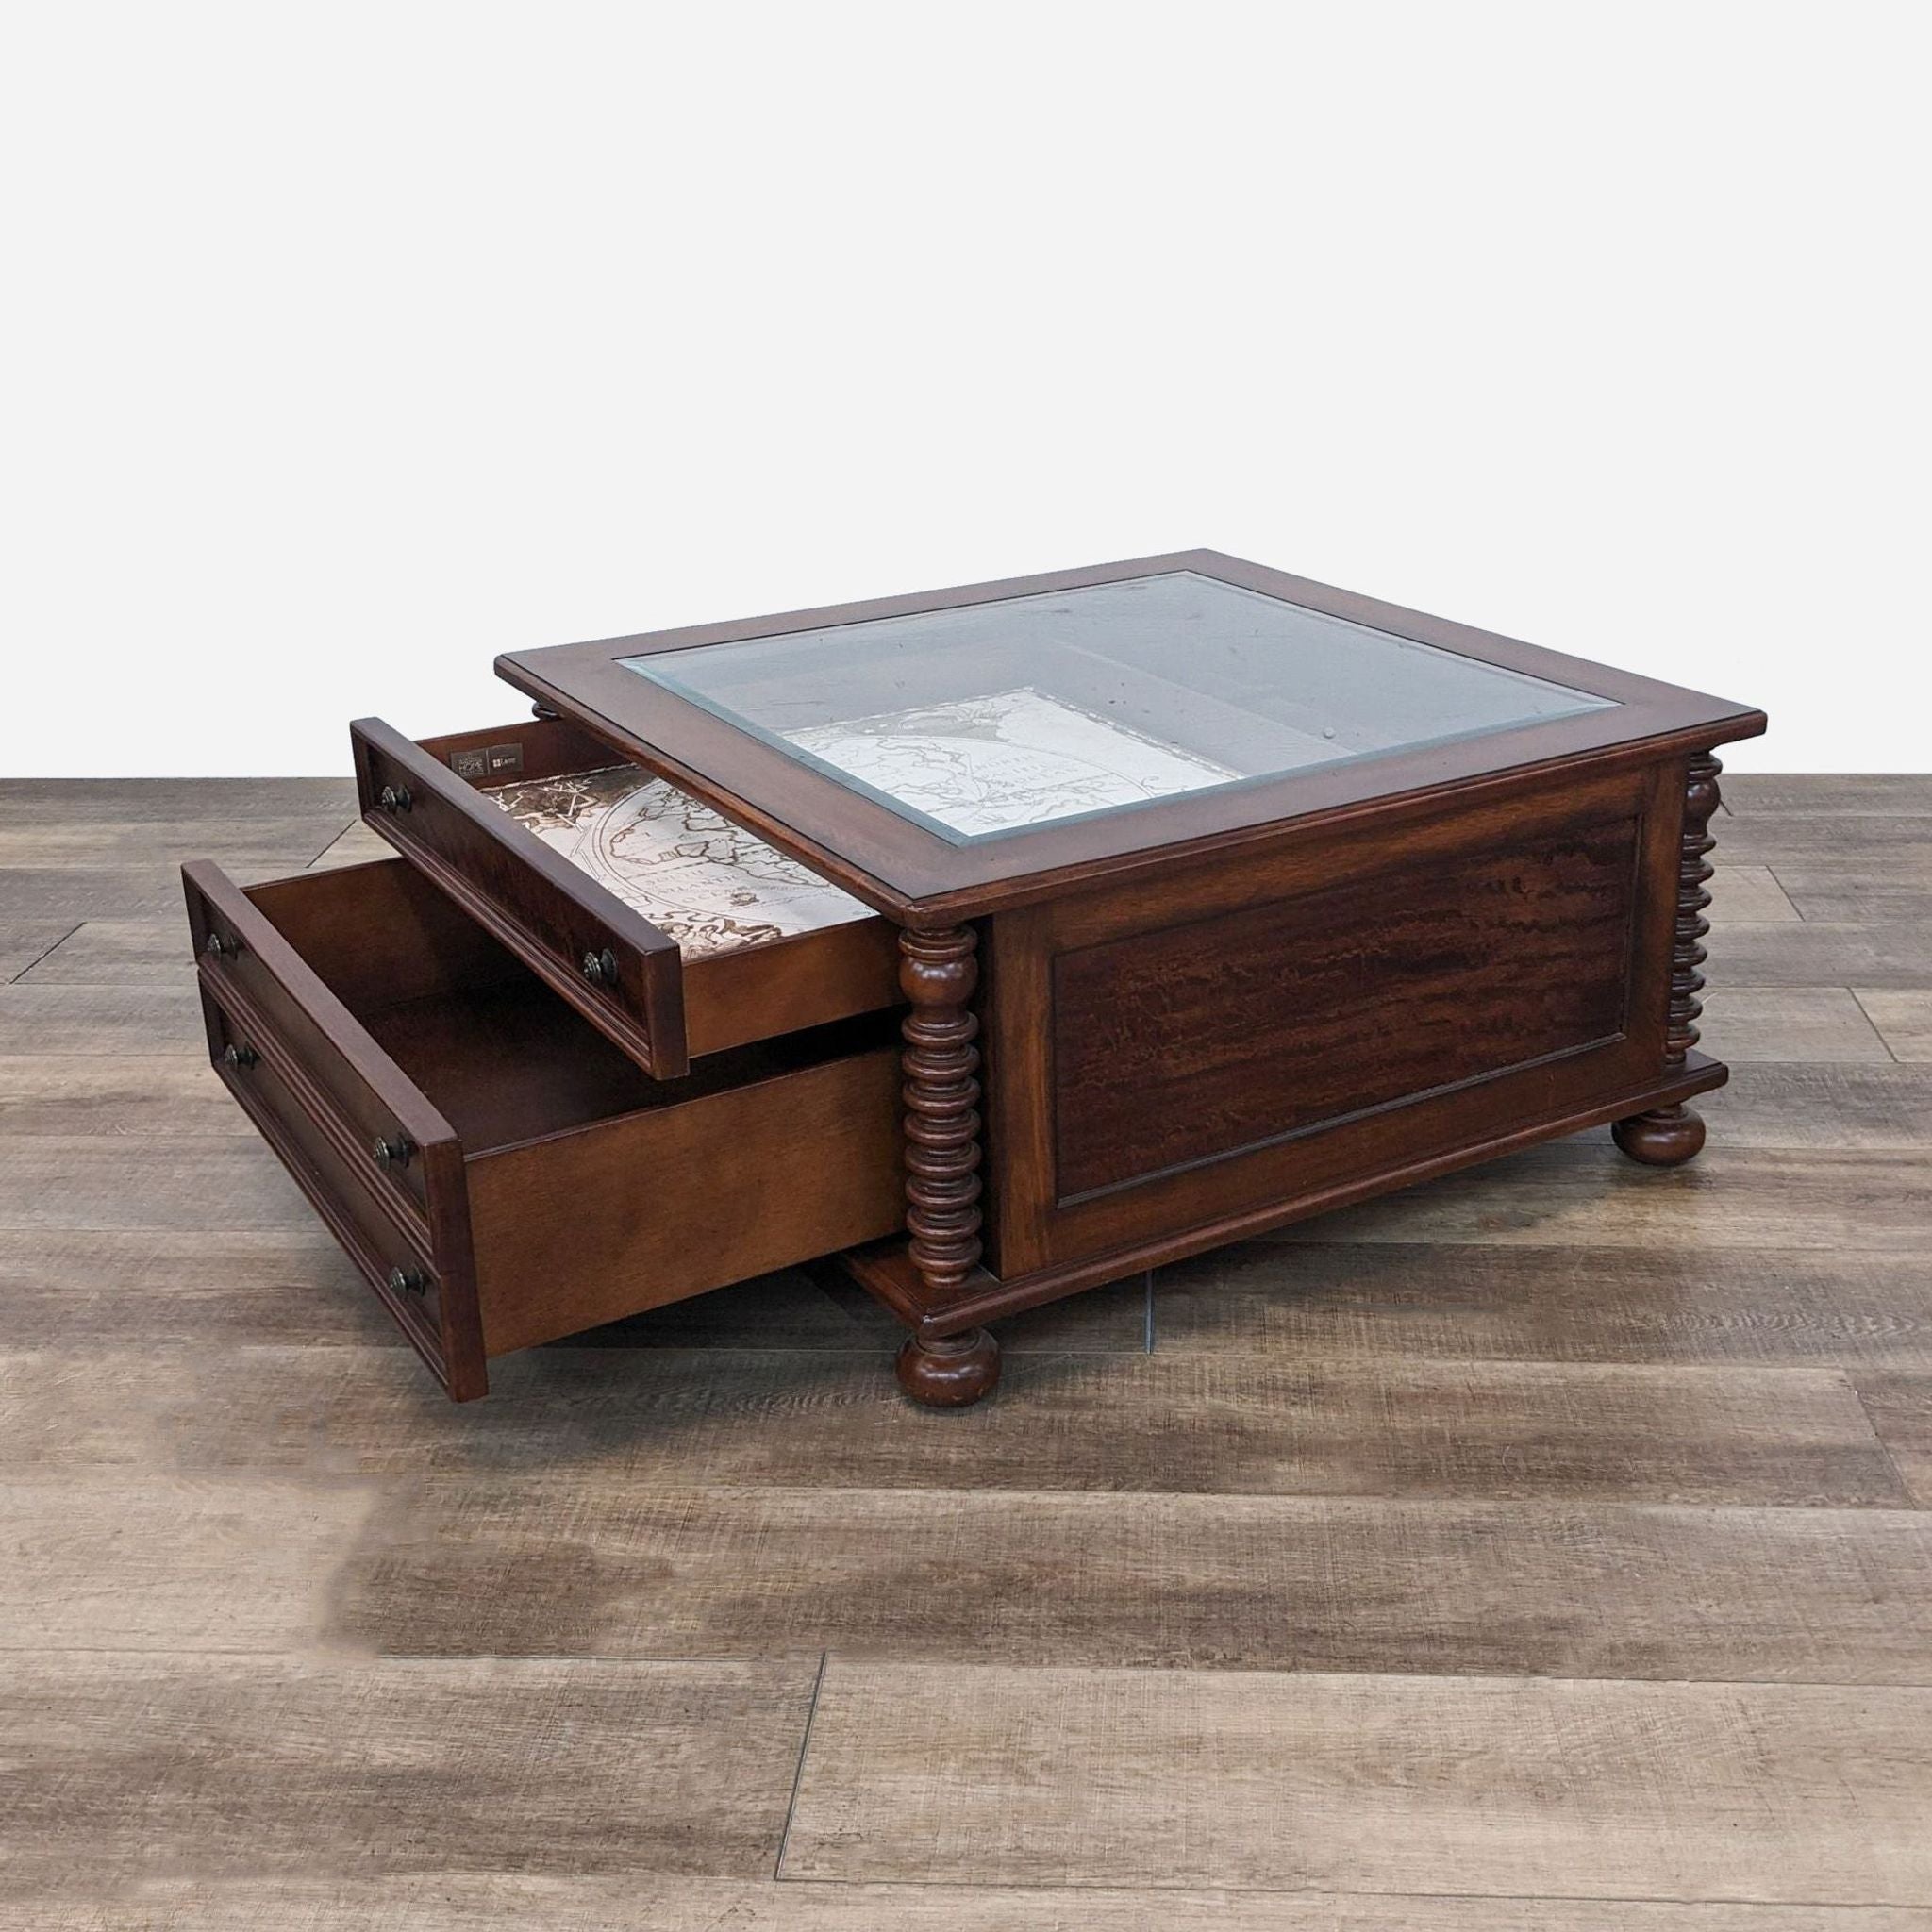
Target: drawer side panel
585 1227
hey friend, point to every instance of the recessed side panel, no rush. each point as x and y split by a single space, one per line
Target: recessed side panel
1268 1028
1201 1040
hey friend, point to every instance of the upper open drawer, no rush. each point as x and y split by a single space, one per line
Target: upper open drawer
673 931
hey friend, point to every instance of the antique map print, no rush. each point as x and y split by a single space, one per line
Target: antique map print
710 884
1016 757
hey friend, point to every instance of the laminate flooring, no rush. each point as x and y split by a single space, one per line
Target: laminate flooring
1548 1549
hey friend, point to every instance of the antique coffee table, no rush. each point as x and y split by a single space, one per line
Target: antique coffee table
1203 898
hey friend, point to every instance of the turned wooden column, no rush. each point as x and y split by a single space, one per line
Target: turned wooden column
1669 1135
938 973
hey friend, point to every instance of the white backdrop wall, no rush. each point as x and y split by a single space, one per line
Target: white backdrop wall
347 345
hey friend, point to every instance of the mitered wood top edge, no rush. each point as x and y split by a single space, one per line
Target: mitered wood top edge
946 904
922 880
1357 607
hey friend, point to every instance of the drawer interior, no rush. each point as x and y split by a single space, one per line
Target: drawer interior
710 884
501 1057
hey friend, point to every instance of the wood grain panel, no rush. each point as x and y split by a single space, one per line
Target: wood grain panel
1486 1303
1904 1019
128 1766
1773 838
86 1181
1853 889
25 942
1817 1026
79 1290
36 1019
175 1566
115 803
74 1290
1798 1105
1197 1041
1808 953
114 1094
575 1229
1095 1421
517 1566
151 891
1900 1406
1830 794
118 952
1583 1192
44 837
1746 891
1371 1784
471 1900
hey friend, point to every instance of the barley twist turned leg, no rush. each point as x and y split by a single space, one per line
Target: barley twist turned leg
1667 1135
938 971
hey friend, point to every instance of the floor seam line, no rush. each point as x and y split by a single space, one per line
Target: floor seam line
798 1772
1905 1488
335 839
17 977
1878 1032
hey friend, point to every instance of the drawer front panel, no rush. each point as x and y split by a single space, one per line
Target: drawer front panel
1200 1041
388 1161
589 948
318 1087
393 1254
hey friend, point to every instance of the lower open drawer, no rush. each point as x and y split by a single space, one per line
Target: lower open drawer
501 1173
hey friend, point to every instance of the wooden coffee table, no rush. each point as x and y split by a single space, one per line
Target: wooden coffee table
1219 898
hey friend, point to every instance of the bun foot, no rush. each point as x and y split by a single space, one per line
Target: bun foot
1667 1137
951 1372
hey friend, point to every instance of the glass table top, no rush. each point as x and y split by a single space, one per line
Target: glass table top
982 720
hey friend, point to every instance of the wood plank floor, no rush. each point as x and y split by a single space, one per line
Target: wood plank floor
1546 1550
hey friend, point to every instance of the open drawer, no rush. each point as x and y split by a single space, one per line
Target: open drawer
497 1169
676 933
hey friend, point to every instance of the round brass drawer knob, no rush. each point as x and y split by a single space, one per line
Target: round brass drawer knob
218 948
394 1153
600 969
409 1281
394 798
236 1055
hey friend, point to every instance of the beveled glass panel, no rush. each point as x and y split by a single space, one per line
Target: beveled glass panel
985 719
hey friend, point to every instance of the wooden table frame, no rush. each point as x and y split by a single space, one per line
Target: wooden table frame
1567 859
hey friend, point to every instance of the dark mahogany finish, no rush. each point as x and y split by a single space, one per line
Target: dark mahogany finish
1191 1041
939 973
660 1008
951 1371
1668 1137
1202 1017
923 881
500 1173
1231 1008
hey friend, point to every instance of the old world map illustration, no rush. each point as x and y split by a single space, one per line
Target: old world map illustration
976 765
710 884
1015 758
